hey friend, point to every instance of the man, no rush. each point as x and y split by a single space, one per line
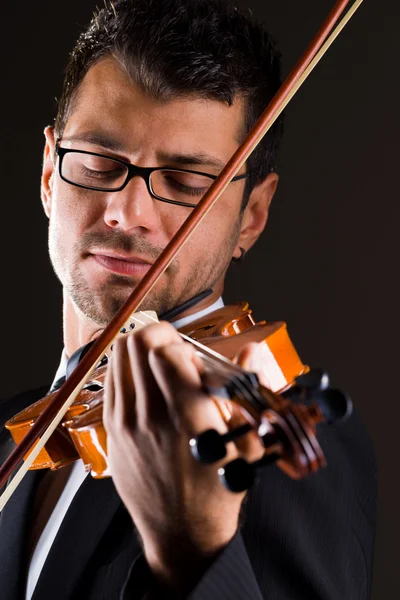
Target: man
157 97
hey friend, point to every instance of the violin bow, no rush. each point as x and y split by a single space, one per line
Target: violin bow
48 421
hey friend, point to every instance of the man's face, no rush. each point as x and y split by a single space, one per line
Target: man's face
102 243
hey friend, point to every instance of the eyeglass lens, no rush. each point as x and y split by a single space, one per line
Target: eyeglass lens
107 174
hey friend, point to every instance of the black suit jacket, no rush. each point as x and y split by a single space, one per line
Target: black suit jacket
310 539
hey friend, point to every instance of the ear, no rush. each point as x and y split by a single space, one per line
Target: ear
46 188
255 215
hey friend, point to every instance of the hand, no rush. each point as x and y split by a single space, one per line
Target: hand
153 405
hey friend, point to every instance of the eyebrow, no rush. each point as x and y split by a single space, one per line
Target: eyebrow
192 159
177 158
97 139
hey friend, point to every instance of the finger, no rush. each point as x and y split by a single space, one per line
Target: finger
151 406
177 371
120 406
256 358
249 445
251 358
109 396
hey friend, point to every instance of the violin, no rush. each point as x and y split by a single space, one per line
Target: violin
287 432
285 422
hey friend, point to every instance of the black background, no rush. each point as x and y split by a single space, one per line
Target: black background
327 263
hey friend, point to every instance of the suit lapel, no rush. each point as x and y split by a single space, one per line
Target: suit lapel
14 522
14 519
86 520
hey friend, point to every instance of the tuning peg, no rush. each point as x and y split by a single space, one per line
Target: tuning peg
315 379
239 475
210 446
334 404
307 385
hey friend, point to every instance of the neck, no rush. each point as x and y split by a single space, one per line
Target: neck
79 330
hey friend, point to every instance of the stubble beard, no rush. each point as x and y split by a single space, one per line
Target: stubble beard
101 305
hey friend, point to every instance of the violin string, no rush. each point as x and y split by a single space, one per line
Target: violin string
232 373
203 350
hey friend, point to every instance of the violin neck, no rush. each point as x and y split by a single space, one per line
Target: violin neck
224 379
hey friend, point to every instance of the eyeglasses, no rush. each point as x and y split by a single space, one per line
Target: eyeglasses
104 174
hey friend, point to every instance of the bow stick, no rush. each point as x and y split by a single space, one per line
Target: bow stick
54 412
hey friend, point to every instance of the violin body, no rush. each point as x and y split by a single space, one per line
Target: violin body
59 450
226 330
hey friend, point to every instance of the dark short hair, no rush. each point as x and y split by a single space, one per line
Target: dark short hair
176 48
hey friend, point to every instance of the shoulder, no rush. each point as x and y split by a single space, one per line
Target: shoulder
11 406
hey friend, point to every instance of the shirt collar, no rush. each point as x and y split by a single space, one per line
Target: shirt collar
201 313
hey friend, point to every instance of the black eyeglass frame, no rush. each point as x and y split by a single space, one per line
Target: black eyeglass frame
133 171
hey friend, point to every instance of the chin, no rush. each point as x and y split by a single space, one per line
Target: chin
95 307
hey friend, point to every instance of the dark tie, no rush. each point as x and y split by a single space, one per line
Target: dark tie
57 384
72 363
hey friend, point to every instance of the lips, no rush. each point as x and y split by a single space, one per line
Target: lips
132 266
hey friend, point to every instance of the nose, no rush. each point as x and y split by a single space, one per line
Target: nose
132 207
